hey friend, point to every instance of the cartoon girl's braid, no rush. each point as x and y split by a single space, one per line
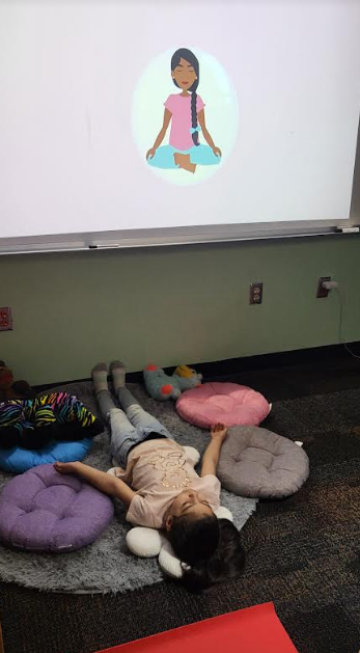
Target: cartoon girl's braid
194 120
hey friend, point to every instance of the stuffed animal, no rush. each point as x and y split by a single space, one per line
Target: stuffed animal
162 387
10 389
33 423
186 372
149 542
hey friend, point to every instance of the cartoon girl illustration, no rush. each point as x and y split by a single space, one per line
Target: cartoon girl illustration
185 111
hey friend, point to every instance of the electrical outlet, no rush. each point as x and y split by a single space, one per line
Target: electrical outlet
321 291
256 293
6 323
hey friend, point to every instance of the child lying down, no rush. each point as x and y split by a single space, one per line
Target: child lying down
158 485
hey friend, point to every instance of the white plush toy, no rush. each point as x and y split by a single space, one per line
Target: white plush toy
148 542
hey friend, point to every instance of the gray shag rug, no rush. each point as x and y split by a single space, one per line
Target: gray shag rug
107 565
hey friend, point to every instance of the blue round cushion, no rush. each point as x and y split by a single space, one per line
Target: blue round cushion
18 460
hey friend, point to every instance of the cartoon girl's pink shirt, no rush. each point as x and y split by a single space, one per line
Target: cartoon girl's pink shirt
181 123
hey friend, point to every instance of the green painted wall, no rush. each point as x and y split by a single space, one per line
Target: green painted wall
173 305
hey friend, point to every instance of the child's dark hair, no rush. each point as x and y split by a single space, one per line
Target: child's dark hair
194 540
184 53
210 546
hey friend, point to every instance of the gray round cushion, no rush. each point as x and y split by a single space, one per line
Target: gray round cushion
255 462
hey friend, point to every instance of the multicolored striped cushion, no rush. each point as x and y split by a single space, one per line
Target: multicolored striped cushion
23 421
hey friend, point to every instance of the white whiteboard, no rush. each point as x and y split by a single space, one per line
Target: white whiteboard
83 86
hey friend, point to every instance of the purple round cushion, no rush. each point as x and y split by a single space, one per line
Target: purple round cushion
43 510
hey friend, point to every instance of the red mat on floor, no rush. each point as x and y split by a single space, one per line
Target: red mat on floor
253 630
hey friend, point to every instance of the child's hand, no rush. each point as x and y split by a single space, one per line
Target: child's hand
217 151
219 432
65 468
151 153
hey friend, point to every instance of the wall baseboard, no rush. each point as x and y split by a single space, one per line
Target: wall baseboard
235 366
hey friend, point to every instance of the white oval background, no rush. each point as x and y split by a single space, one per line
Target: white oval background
221 111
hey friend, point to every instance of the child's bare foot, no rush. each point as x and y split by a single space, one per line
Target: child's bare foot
183 161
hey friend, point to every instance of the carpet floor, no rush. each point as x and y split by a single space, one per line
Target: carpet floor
107 565
303 551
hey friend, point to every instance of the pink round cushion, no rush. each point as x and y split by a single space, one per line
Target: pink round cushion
228 403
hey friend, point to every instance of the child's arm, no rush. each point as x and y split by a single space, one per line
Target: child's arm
161 135
209 140
211 456
101 480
